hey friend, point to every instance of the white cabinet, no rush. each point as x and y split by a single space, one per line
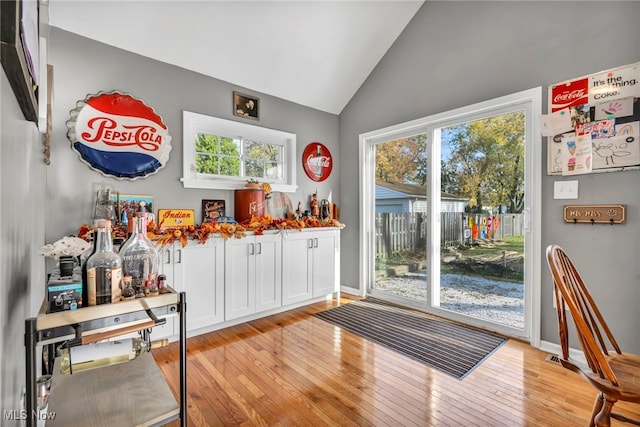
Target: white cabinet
199 270
311 261
253 275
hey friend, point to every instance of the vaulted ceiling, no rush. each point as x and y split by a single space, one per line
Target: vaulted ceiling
314 53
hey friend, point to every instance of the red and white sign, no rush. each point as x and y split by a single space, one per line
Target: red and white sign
119 135
317 161
569 94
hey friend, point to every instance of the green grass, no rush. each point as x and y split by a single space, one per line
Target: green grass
509 244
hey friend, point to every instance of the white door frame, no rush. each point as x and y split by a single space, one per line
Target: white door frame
531 101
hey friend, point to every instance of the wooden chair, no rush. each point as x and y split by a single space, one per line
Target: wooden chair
616 375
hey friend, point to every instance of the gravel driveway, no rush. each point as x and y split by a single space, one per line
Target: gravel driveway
488 299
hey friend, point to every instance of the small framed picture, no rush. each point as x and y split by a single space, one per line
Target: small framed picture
130 203
212 210
246 106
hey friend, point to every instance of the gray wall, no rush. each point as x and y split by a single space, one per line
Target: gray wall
22 213
454 54
82 66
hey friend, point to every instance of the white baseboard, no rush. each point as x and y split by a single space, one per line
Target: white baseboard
574 354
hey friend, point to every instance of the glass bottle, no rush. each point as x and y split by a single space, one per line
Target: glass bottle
139 255
151 285
128 293
162 284
104 269
85 257
96 355
318 159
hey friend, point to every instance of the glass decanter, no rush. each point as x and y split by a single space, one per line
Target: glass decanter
139 255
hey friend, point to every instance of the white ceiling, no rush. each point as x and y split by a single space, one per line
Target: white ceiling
314 53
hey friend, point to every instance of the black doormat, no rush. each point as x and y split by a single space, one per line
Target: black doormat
450 347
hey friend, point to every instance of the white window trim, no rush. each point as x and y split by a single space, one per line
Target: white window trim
194 123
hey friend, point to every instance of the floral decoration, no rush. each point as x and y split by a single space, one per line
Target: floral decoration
202 232
256 225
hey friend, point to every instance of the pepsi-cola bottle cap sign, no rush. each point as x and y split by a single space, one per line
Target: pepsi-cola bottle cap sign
119 135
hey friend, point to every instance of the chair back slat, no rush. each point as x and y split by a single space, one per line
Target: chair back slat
593 333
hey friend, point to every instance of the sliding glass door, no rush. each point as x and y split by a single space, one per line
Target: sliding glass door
446 214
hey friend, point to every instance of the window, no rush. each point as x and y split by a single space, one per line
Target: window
224 154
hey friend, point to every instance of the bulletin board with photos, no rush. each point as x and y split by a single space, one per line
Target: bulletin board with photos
593 123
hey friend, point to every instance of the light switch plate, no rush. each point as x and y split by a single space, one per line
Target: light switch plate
565 190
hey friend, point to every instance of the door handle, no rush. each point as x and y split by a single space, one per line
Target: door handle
315 242
310 243
251 249
259 251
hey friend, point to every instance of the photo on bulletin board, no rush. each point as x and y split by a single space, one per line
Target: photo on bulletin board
594 122
212 210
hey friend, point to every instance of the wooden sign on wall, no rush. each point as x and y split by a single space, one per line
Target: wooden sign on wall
595 214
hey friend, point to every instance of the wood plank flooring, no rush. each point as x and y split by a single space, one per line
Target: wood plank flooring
293 369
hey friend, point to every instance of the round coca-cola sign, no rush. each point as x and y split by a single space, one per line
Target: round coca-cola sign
119 135
317 161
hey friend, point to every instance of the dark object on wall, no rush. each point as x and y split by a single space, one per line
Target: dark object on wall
212 210
246 106
14 60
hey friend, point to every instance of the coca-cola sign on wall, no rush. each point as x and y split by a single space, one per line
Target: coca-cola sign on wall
119 135
317 161
569 94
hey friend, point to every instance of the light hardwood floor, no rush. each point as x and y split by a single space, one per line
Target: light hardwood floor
293 369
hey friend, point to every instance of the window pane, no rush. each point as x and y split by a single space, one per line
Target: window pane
216 155
254 169
207 164
229 166
259 151
273 170
206 143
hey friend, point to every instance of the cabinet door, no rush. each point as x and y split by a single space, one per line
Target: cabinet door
239 277
268 275
201 270
296 267
326 254
165 266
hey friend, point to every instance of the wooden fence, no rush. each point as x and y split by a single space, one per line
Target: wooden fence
402 233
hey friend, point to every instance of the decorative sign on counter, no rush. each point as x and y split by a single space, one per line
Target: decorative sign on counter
595 214
176 218
317 161
119 135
